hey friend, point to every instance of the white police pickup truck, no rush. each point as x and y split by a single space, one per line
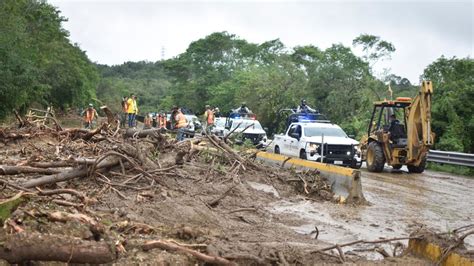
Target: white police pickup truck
313 140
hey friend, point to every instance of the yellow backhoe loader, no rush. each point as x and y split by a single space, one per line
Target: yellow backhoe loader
404 142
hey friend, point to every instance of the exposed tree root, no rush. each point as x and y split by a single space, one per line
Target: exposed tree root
173 247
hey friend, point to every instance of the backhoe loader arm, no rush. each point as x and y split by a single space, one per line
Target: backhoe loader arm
420 137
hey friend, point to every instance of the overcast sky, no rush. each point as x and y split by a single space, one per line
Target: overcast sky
112 32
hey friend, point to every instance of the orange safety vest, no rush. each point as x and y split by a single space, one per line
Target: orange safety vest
161 121
210 117
124 106
147 121
90 113
180 120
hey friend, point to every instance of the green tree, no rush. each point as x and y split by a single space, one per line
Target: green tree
39 64
452 104
374 47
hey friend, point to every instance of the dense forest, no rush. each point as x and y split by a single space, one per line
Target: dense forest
39 65
38 62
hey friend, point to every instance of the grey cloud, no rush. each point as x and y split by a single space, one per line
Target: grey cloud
114 32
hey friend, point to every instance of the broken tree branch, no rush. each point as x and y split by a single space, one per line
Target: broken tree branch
73 192
15 170
232 131
215 202
96 228
66 163
169 246
365 242
67 175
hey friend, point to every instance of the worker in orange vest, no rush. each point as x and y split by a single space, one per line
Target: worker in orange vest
162 120
89 115
209 119
147 121
123 117
181 123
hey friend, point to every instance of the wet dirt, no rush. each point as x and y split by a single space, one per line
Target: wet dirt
399 203
180 206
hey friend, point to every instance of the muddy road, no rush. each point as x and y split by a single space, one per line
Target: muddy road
399 202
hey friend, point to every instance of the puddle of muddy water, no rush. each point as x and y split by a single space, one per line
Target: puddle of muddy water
399 203
335 223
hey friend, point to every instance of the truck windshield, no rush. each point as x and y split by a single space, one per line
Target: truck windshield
327 131
220 122
191 118
244 124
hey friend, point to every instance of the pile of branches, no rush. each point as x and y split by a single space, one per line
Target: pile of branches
109 160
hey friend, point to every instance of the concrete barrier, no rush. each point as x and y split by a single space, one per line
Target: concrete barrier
345 182
433 252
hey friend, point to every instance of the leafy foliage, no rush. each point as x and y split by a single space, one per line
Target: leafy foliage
453 106
374 47
39 64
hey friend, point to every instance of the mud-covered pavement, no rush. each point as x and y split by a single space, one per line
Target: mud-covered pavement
399 203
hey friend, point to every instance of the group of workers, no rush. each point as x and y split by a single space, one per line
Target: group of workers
129 111
177 118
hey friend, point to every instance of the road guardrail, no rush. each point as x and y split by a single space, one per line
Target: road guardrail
449 157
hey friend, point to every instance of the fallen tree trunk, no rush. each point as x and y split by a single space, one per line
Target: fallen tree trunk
14 170
82 133
5 137
136 133
81 171
23 247
66 163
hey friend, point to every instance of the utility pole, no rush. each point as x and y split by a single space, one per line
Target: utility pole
162 53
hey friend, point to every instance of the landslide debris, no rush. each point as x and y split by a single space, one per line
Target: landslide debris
128 196
137 196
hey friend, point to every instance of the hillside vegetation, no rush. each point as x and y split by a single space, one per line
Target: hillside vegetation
41 65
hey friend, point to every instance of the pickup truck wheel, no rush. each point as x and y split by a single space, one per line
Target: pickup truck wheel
355 164
277 150
417 169
303 155
375 157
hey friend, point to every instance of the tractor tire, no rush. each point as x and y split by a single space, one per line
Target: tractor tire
397 166
303 155
277 150
417 169
375 157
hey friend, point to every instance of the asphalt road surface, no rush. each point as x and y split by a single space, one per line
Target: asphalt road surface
399 202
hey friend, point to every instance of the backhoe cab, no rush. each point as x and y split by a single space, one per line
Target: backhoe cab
400 132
